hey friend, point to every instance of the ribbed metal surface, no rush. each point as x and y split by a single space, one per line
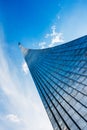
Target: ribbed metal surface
60 75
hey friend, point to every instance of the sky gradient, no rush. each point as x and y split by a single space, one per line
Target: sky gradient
36 24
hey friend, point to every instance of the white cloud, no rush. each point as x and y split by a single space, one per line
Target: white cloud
55 37
42 45
25 68
13 118
18 95
53 28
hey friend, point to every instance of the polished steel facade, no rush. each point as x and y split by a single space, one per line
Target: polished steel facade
60 75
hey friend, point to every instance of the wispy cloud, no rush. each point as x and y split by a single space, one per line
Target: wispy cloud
13 118
19 101
42 45
55 37
25 68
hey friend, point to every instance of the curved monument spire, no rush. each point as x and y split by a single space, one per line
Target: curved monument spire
60 75
23 50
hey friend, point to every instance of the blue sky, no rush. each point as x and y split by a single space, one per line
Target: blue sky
36 24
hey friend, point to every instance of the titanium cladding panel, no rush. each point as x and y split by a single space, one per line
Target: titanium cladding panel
60 75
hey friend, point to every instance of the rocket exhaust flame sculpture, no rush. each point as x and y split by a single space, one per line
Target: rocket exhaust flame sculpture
60 76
